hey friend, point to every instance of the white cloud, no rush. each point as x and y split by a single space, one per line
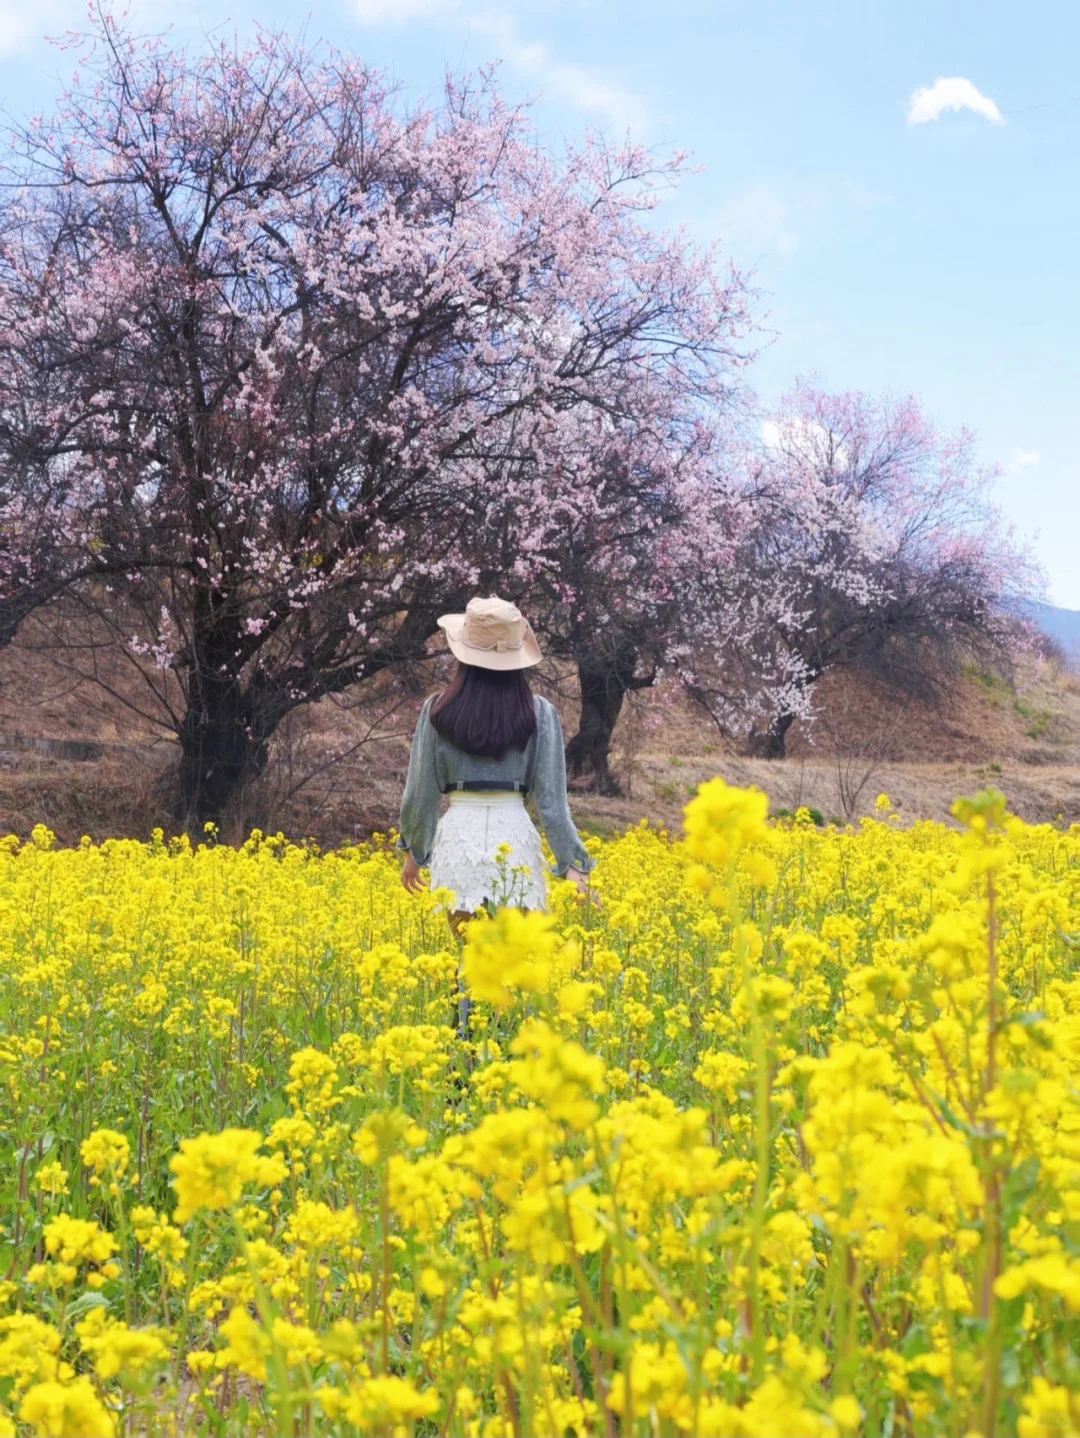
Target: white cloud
1023 458
775 215
804 441
583 86
771 217
955 93
771 434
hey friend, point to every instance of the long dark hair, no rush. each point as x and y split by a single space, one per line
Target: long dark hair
485 711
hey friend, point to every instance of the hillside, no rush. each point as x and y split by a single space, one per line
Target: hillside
80 761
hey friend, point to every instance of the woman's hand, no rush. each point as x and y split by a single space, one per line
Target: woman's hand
582 881
410 876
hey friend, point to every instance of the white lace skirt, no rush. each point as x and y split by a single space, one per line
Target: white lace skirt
468 857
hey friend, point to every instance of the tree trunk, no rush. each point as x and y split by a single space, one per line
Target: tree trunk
232 715
223 744
603 684
772 742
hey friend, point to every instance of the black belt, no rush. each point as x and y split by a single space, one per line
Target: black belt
487 786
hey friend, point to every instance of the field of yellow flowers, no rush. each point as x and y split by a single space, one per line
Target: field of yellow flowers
781 1137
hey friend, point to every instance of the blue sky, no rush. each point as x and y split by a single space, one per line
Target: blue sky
938 257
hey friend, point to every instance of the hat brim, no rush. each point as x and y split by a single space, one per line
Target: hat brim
504 659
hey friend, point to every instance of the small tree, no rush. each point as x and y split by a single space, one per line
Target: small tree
282 367
869 543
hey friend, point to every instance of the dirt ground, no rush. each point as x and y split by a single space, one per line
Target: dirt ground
82 762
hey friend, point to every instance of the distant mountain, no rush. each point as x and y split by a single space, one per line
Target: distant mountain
1060 624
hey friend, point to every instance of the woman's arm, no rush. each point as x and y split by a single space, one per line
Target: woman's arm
420 802
548 783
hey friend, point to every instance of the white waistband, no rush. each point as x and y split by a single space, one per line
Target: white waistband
485 796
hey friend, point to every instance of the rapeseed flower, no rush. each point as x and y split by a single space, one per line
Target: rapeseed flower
212 1171
59 1410
782 1138
513 953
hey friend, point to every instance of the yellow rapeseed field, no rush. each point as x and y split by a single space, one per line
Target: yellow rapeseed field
782 1139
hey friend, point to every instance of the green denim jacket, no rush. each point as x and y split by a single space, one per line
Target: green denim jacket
435 763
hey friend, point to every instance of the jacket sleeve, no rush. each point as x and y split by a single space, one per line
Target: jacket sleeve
548 783
421 800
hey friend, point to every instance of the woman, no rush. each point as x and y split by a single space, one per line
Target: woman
488 741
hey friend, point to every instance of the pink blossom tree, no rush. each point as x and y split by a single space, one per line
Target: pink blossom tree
610 590
868 541
602 568
283 364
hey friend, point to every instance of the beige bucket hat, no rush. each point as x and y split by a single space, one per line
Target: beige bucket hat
492 634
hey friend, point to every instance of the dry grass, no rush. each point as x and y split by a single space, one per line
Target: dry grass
338 768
